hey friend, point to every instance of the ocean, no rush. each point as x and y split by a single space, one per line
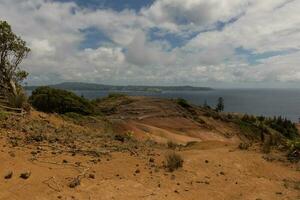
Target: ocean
267 102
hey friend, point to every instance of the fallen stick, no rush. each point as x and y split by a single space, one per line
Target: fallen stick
46 182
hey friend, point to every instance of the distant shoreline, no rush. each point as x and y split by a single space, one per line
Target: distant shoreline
101 87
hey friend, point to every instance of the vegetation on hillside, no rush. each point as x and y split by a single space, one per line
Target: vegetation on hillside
52 100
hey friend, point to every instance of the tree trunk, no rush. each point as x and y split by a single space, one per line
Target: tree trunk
13 87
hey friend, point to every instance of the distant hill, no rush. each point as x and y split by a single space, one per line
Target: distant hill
93 86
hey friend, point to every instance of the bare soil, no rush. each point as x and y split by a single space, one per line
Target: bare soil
83 159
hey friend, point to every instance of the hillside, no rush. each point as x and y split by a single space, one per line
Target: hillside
121 155
101 87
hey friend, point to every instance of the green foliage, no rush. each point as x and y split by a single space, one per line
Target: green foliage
183 103
294 150
294 145
249 118
220 105
12 50
52 100
250 130
173 161
287 128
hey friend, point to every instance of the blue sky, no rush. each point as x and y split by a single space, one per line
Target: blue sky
117 5
218 43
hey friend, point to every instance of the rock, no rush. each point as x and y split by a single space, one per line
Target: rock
137 171
8 175
222 173
92 176
206 161
151 160
25 175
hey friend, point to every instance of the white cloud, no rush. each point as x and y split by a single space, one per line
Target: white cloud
143 53
52 30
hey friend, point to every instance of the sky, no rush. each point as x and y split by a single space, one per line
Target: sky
216 43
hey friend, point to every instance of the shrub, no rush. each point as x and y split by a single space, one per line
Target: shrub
294 150
52 100
171 144
18 101
173 161
183 103
116 95
284 126
293 145
124 137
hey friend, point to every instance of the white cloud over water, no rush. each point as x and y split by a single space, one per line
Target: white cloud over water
197 42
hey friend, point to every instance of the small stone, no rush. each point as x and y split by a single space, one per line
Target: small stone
151 160
65 161
222 173
137 171
92 176
206 161
25 175
8 175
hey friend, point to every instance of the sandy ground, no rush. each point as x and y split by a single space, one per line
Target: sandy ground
211 171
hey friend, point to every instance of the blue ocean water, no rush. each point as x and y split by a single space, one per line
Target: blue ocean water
267 102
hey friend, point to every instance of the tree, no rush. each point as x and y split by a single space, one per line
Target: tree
220 105
12 51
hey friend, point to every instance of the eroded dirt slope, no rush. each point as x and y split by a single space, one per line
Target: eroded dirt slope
164 120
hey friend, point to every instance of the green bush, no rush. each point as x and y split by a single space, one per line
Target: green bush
183 103
116 95
52 100
284 126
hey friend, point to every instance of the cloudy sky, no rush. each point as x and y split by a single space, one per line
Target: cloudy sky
218 43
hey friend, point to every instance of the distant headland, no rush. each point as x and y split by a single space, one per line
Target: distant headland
94 86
